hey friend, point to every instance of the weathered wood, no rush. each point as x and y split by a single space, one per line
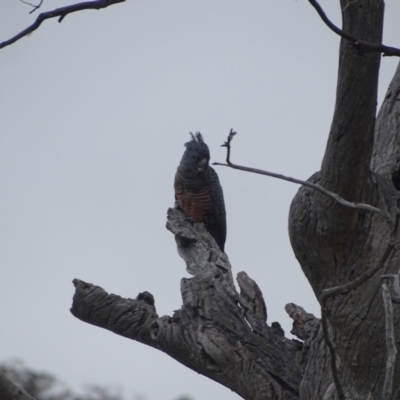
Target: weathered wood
218 332
304 323
335 246
224 335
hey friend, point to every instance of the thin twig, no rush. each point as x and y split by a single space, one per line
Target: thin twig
61 13
366 46
395 283
390 343
348 287
388 300
332 349
32 5
329 392
395 286
348 4
315 186
343 289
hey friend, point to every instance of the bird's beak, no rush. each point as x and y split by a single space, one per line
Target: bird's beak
202 164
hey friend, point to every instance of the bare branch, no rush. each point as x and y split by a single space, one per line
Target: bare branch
388 300
61 13
348 4
315 186
395 286
304 323
348 287
329 392
327 293
332 349
361 44
217 332
390 343
252 301
32 5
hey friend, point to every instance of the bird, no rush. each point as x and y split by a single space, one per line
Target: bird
198 192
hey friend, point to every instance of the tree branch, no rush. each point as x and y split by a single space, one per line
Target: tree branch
330 392
61 13
348 287
332 349
304 323
343 289
218 333
390 343
360 44
32 5
315 186
252 301
388 300
395 286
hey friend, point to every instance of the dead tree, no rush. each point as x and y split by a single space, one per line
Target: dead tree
349 255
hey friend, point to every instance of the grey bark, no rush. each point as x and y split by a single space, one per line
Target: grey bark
224 334
218 332
336 245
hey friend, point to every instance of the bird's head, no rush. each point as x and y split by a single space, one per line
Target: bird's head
196 157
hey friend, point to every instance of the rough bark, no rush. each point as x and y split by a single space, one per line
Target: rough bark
335 245
218 332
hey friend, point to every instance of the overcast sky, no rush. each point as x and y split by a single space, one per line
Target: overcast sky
95 112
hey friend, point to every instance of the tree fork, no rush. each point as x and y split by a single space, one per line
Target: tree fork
218 332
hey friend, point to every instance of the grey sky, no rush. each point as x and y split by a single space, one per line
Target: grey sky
95 112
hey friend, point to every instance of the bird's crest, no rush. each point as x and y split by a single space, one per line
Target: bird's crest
197 137
197 143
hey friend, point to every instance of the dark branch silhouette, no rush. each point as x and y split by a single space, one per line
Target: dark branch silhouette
32 5
315 186
360 44
61 13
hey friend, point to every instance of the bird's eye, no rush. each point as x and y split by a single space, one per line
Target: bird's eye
193 157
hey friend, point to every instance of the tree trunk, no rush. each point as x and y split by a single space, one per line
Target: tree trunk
335 245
